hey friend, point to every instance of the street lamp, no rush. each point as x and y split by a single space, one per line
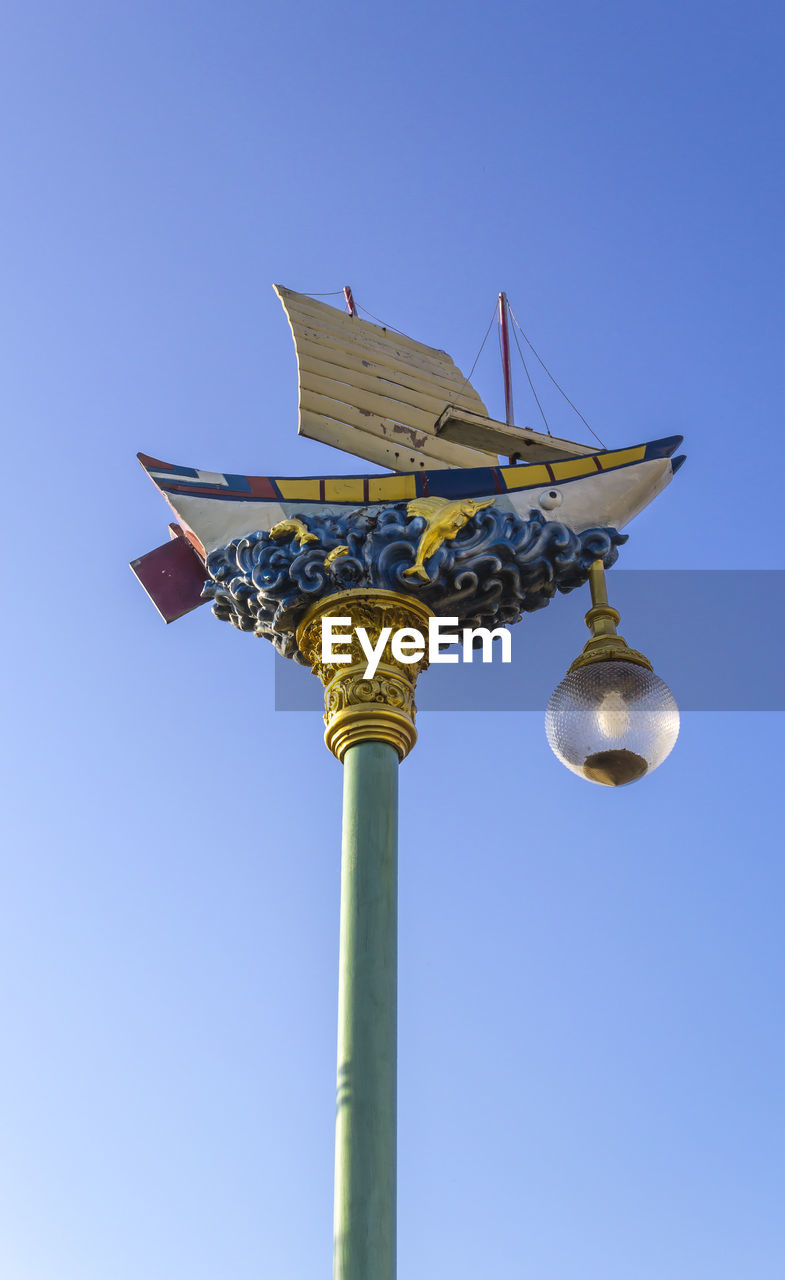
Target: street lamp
447 533
611 720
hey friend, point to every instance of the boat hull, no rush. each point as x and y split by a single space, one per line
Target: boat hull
605 489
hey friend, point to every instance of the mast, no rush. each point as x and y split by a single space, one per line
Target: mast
351 304
504 325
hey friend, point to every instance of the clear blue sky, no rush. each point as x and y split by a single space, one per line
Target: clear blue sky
591 1041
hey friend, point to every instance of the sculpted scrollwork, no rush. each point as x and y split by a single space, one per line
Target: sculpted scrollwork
356 690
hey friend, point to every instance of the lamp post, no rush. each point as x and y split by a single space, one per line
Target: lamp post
470 541
370 729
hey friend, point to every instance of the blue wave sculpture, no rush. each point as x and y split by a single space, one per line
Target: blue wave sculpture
495 569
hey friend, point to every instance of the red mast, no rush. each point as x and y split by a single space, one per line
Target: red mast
347 293
505 333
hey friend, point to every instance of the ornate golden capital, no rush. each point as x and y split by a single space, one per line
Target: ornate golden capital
359 709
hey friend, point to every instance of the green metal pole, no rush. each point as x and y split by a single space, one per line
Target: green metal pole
365 1127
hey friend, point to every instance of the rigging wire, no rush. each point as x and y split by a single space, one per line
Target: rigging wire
553 380
403 335
531 384
467 379
378 321
340 293
482 345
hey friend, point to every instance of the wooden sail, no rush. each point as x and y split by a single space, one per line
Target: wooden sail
376 393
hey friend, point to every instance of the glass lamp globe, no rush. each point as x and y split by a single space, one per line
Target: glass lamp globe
612 722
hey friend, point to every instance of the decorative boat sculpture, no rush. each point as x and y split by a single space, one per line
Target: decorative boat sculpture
398 404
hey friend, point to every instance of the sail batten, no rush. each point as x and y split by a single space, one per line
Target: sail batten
350 354
376 393
374 401
405 436
325 315
386 355
349 363
421 396
373 448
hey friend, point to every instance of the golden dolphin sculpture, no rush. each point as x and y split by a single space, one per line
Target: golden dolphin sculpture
444 519
300 530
